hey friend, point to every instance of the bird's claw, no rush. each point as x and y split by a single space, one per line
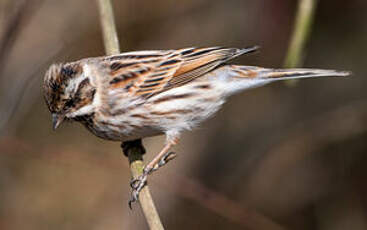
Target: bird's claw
134 197
137 185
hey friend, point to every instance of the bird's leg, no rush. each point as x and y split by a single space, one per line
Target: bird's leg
158 161
167 157
162 158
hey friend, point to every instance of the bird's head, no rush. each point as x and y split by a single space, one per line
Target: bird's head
68 92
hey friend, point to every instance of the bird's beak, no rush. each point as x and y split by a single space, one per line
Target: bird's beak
56 120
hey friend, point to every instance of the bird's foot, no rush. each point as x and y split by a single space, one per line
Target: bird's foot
165 159
138 184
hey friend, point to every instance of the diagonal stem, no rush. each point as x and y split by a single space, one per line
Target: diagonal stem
134 149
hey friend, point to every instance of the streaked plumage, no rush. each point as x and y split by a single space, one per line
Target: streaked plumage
145 93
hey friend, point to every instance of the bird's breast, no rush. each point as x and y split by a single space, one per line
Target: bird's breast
116 127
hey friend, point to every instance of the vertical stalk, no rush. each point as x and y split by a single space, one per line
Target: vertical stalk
134 150
109 32
300 34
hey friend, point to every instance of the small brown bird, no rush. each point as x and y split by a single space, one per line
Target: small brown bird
146 93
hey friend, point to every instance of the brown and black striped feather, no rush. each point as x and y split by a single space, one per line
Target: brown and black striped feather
147 74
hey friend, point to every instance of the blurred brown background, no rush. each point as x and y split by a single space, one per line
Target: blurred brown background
275 157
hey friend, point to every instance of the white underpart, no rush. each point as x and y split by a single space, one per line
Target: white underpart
222 82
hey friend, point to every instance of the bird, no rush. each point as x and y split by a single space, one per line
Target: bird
140 94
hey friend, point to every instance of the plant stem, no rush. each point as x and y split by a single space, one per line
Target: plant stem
301 32
109 32
134 150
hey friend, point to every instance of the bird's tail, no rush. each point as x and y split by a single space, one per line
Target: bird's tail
252 72
235 78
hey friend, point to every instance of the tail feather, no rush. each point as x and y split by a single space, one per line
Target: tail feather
252 72
235 78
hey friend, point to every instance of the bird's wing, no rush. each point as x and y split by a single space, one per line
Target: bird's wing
147 73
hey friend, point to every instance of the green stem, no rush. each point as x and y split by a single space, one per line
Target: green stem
300 35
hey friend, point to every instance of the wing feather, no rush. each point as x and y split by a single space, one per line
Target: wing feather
147 73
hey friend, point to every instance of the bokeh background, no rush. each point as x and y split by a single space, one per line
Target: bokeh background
276 157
